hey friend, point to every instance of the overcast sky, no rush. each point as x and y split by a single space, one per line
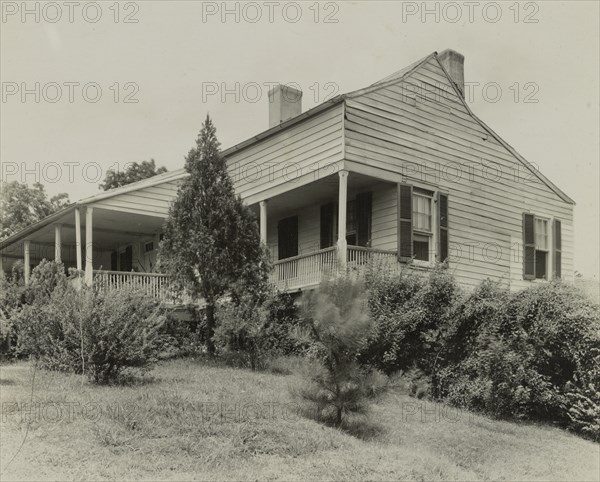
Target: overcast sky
536 65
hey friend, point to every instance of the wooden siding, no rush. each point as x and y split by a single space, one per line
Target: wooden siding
435 140
150 201
284 157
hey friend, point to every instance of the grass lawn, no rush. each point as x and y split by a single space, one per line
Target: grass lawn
193 421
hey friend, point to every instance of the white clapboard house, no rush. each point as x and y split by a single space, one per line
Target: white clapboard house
401 171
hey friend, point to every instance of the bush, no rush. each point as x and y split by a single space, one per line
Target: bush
87 331
251 331
584 400
14 295
338 320
520 355
412 316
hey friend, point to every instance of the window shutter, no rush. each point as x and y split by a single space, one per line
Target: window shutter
113 261
405 241
443 227
557 237
364 207
528 246
327 225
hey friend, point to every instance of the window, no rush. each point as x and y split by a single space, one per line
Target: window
149 247
542 245
422 224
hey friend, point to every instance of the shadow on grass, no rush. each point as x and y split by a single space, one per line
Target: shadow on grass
360 426
363 428
133 379
4 381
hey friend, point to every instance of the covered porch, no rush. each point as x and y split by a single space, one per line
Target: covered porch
345 221
109 248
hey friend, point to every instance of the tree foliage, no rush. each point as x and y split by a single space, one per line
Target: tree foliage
339 324
211 243
134 172
21 206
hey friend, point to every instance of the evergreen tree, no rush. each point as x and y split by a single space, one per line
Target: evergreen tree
211 245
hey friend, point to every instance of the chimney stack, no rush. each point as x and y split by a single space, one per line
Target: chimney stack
454 63
285 102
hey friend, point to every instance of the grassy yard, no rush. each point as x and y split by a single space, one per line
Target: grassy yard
192 421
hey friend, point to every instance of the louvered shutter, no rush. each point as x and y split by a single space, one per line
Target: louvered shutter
405 224
443 226
327 225
364 206
528 246
557 236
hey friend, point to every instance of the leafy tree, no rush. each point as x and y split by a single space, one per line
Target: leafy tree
21 206
134 172
211 243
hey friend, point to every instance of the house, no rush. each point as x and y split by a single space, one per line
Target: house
400 171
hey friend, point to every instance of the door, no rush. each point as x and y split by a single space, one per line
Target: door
126 259
287 246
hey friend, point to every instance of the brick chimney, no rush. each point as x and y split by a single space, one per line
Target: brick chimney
285 102
454 63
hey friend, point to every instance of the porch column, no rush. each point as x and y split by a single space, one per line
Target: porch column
78 238
342 201
26 260
57 242
263 221
89 270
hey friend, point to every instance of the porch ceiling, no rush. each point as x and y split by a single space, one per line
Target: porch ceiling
109 230
320 191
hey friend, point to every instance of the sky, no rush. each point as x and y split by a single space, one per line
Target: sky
90 86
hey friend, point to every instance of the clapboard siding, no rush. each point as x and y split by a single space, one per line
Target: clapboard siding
435 140
285 156
150 201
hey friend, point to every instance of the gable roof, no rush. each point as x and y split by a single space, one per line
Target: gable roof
395 77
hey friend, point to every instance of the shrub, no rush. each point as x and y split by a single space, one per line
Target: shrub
518 355
584 399
339 323
412 316
87 331
251 331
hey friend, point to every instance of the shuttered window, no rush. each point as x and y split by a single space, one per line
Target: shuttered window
541 247
416 227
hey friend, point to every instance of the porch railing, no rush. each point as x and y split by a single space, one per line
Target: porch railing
304 270
156 285
309 269
301 271
360 258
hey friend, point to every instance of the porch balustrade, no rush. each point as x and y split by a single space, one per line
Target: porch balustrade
155 285
298 272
